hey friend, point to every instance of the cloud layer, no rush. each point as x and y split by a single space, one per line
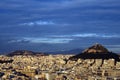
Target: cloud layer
41 40
60 39
87 35
38 23
58 24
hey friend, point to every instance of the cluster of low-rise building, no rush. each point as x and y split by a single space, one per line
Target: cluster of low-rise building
58 67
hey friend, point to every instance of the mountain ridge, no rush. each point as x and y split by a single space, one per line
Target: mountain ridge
25 53
72 51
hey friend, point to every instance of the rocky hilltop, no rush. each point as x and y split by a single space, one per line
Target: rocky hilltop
26 52
96 51
97 48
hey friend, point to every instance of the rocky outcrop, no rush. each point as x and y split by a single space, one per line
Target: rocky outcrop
97 48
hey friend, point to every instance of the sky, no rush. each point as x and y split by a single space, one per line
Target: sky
53 25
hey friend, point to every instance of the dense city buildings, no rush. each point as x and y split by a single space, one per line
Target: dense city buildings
61 67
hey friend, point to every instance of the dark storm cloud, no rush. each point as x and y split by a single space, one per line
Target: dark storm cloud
58 23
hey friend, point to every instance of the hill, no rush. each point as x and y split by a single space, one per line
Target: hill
96 51
25 53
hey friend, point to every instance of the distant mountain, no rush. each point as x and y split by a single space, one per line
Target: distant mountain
96 51
26 52
73 51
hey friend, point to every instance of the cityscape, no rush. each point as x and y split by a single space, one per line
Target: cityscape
26 66
59 39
